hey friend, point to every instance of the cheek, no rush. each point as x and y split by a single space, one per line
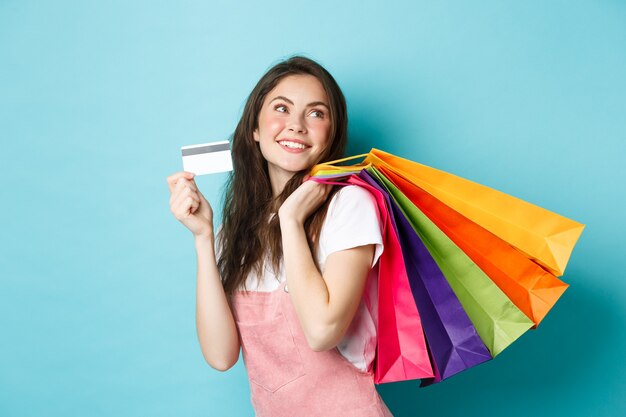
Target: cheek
323 132
273 124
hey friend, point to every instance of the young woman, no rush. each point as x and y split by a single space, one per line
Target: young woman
284 280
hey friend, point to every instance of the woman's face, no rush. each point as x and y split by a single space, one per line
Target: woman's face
294 125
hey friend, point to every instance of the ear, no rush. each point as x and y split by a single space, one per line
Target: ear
255 134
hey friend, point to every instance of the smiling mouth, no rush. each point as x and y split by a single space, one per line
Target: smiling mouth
292 145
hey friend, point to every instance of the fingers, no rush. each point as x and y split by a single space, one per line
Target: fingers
172 180
326 190
184 197
182 190
320 188
315 192
185 204
182 186
193 205
323 192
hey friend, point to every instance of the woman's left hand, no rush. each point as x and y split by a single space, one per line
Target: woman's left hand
304 201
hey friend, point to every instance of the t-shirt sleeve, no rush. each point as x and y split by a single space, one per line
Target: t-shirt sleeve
352 220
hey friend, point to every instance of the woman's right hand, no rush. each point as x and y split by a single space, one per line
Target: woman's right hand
215 324
189 205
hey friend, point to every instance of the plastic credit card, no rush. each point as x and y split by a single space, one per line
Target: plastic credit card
207 158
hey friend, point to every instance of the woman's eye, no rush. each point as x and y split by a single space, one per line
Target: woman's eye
281 108
317 113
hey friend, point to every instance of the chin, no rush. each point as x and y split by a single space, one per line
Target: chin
294 168
294 171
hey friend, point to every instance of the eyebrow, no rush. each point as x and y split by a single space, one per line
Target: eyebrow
313 103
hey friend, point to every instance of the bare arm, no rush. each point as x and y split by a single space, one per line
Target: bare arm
325 302
215 325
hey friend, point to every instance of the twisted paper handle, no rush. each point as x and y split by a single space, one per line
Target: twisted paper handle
332 167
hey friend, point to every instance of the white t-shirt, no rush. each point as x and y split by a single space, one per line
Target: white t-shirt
352 220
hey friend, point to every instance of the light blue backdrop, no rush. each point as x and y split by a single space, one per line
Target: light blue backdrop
97 278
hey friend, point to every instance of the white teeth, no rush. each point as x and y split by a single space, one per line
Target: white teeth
293 145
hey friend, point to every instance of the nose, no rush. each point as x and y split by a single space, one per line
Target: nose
296 124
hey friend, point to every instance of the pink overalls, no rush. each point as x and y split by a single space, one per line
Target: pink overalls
288 378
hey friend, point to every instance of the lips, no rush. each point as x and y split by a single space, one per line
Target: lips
293 145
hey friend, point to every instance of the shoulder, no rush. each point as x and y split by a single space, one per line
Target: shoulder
351 197
354 191
352 220
352 205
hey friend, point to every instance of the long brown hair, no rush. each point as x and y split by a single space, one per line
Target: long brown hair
248 234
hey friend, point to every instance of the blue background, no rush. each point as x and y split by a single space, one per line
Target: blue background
97 278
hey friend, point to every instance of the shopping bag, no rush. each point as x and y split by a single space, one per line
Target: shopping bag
522 237
401 352
543 236
497 320
533 290
452 339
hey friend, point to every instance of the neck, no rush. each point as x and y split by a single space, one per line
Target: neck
278 180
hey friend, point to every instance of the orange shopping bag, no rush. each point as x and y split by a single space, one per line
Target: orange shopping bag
533 290
544 236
